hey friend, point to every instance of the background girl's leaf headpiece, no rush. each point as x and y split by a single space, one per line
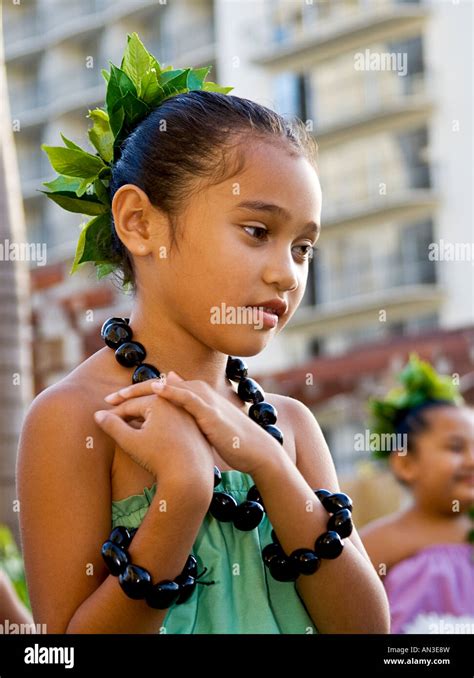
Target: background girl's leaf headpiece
421 385
133 91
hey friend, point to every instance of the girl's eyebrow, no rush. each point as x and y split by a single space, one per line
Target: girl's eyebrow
260 206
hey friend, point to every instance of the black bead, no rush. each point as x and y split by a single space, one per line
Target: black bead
236 369
283 569
132 531
274 537
217 476
116 334
328 545
248 515
145 372
322 493
270 552
275 432
254 495
250 391
190 566
223 507
121 536
163 594
306 561
135 581
130 353
114 557
108 322
263 413
336 502
341 522
187 585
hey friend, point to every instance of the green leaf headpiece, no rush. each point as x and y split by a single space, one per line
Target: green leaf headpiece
133 91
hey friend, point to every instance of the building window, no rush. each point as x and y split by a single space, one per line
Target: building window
414 242
413 146
292 94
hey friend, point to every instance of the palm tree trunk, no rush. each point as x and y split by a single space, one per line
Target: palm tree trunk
16 384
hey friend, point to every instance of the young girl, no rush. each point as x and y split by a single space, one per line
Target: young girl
215 202
423 553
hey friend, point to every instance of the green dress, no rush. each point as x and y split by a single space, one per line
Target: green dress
245 598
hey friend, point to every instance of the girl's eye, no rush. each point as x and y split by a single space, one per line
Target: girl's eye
257 228
307 251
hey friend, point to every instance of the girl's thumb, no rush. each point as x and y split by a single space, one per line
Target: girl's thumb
173 376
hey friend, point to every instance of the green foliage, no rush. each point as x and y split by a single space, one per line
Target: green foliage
132 92
12 564
420 383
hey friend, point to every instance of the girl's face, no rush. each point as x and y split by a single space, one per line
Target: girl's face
230 256
440 470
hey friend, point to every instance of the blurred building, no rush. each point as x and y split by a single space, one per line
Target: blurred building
395 165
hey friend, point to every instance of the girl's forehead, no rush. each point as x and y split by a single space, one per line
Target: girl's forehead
452 420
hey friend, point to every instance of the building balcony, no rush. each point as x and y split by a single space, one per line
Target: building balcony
36 31
387 115
355 311
309 45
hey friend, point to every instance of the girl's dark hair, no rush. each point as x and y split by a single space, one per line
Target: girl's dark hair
189 138
413 421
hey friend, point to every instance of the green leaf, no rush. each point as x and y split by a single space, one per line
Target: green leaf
154 63
101 192
152 92
118 86
197 76
63 183
104 269
73 163
71 203
212 87
136 61
69 143
177 78
134 109
105 75
101 134
94 242
116 119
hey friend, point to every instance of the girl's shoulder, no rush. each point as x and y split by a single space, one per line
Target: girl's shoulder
389 540
67 407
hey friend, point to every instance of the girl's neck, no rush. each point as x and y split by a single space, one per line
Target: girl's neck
170 346
434 516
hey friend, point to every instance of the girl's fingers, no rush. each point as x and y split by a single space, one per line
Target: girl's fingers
133 391
116 428
184 397
135 407
141 389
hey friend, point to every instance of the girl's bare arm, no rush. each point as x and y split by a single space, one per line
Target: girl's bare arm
64 487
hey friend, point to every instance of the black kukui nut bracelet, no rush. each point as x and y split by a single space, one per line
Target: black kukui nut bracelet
329 545
136 581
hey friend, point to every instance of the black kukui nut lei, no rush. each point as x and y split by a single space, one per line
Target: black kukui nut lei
328 545
136 582
117 334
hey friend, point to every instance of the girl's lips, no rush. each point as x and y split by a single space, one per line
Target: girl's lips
466 478
267 318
